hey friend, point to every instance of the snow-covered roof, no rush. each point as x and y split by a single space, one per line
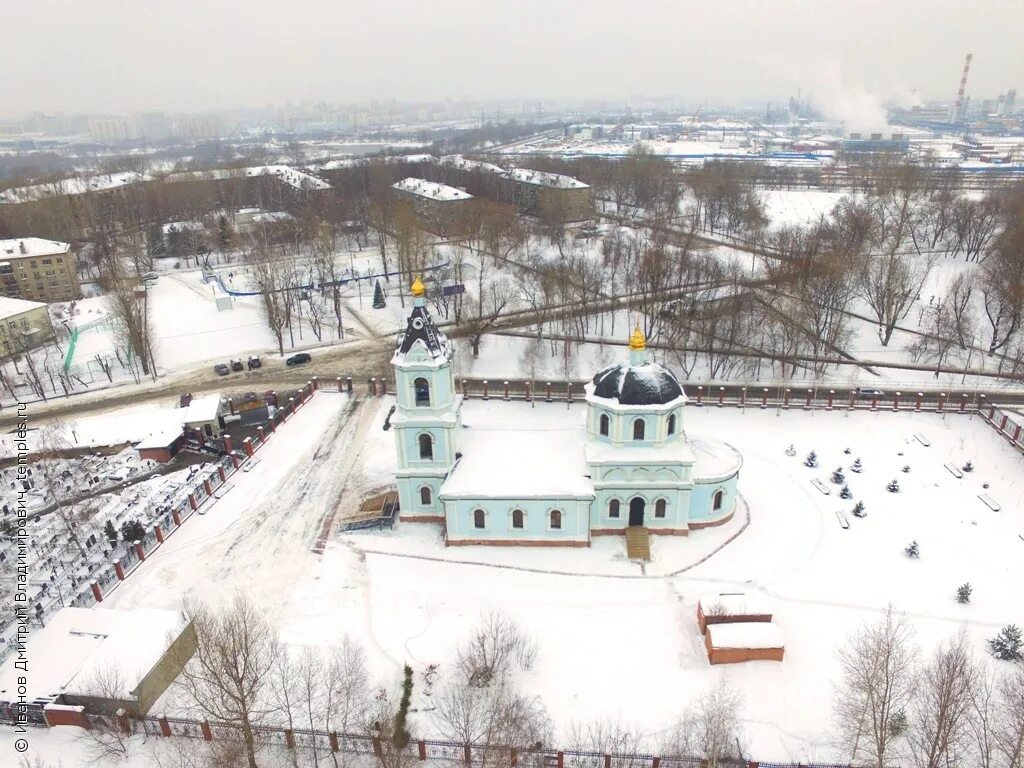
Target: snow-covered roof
519 463
746 634
203 409
715 460
642 384
290 176
600 452
161 437
543 179
26 247
464 164
183 226
734 604
271 217
10 307
431 190
78 644
73 186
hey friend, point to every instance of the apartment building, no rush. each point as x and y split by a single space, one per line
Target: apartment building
43 270
23 325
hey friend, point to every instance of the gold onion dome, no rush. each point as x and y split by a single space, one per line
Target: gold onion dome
418 288
637 340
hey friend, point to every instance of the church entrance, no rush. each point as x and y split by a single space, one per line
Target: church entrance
636 511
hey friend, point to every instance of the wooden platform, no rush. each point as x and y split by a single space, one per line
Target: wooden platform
638 543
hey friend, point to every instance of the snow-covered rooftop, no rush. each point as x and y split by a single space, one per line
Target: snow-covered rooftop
78 644
203 409
431 190
183 226
464 164
73 186
10 307
290 176
543 179
25 247
746 634
519 463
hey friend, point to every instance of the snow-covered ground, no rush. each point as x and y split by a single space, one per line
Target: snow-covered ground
614 642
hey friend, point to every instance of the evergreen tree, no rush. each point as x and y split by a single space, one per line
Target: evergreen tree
224 233
856 466
400 736
963 593
968 467
893 487
912 549
132 530
111 532
811 460
906 468
1006 646
791 451
155 243
838 477
846 451
846 493
379 302
858 509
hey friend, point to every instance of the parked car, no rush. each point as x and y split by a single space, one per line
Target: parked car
867 393
254 362
222 369
299 359
250 397
236 365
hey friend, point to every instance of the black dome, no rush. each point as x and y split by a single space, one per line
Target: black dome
644 384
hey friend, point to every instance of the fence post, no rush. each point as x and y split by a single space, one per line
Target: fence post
1002 425
700 395
421 747
942 401
176 517
333 736
463 387
1016 433
807 402
764 398
607 761
560 759
568 391
159 533
547 392
119 570
506 389
371 386
223 475
963 402
165 727
528 389
467 754
874 401
743 397
376 746
785 398
289 738
656 762
487 395
192 494
348 384
207 488
896 401
140 552
207 733
123 723
831 396
337 381
234 461
96 592
917 404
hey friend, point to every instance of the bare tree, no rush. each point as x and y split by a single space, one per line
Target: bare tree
877 668
1009 730
495 645
608 737
889 284
106 738
271 278
939 719
1002 287
711 728
346 698
229 678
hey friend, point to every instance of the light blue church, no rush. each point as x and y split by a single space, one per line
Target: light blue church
629 465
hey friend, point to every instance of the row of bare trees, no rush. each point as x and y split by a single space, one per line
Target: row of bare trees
893 705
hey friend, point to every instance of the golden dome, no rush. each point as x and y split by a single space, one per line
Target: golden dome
637 339
418 288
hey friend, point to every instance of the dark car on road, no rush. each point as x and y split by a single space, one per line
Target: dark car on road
236 365
254 362
299 359
866 393
222 369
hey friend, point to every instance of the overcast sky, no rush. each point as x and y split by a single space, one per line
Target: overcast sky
182 55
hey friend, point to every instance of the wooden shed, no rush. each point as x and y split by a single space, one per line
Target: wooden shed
744 641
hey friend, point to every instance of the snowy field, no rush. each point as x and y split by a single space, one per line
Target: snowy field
615 642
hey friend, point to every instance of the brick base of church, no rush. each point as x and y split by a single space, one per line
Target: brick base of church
513 543
712 523
421 518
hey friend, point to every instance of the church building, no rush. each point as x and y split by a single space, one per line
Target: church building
630 464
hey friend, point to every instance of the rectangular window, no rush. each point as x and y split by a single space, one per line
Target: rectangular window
47 261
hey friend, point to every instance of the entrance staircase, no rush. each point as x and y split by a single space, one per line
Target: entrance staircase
638 543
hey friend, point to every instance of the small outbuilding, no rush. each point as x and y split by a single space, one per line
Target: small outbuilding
744 641
98 661
206 414
730 608
163 444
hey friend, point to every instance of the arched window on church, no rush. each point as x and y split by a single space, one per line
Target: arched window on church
604 424
638 429
556 519
426 447
659 507
518 518
613 508
479 518
422 388
716 501
671 423
425 496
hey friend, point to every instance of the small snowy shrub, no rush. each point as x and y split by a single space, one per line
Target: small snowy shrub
838 477
893 487
811 460
968 467
856 466
858 509
846 493
963 593
913 550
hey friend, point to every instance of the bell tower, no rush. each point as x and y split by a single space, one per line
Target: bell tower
427 417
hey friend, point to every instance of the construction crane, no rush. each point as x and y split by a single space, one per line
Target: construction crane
963 87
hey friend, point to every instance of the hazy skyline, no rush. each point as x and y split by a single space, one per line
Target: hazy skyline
191 55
